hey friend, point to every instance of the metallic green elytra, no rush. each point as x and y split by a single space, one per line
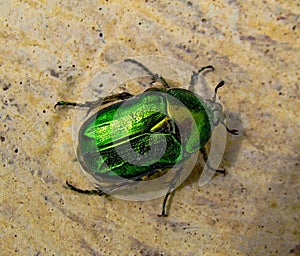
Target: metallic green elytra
138 136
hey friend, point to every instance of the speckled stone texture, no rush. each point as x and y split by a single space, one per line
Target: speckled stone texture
51 49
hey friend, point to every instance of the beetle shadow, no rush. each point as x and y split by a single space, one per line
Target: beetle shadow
230 156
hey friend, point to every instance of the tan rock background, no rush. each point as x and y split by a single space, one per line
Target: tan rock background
50 49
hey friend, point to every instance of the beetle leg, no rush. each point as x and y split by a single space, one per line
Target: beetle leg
100 101
172 185
98 192
118 96
155 77
194 76
67 103
203 152
232 131
163 213
103 101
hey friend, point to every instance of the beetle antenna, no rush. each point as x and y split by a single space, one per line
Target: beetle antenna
219 85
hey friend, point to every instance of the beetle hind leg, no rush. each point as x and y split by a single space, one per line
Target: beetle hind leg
98 192
155 77
164 204
163 212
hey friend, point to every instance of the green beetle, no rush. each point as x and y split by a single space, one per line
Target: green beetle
140 136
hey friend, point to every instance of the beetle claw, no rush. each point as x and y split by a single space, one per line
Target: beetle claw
222 171
162 215
233 131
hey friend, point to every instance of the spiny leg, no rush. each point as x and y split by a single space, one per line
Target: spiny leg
205 157
82 191
194 76
163 212
155 77
115 97
91 104
172 186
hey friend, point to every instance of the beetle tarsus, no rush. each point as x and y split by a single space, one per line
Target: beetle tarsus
82 191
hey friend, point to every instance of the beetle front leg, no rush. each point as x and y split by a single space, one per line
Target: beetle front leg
203 152
155 77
